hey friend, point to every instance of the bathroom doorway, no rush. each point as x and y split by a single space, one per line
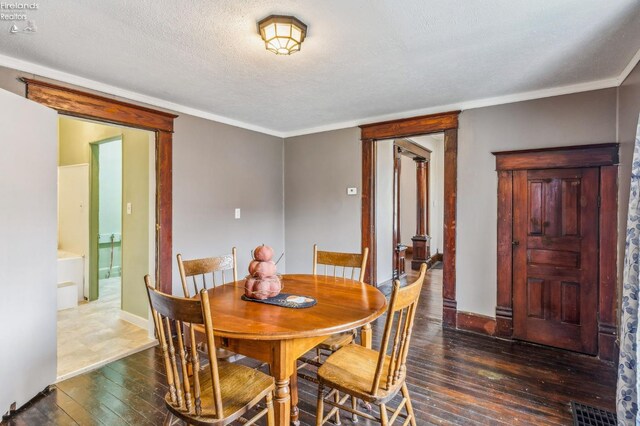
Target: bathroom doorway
107 206
106 218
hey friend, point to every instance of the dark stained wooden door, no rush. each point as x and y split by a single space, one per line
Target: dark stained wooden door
555 257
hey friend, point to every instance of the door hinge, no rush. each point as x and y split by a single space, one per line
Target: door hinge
599 201
157 227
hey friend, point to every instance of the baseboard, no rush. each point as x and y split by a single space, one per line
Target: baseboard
608 348
434 259
387 282
449 310
134 319
476 323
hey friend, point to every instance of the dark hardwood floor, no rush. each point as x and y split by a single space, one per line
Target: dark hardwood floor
454 378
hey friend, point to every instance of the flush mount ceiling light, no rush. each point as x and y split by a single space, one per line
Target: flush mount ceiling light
282 34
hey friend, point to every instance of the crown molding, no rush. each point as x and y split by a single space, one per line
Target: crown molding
462 106
630 66
43 71
64 77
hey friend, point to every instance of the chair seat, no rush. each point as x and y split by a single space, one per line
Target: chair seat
240 387
337 341
352 370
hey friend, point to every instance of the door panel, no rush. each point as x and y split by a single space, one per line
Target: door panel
535 298
28 242
555 229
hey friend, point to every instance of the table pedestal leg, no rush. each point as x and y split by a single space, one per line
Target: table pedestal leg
282 401
293 385
365 336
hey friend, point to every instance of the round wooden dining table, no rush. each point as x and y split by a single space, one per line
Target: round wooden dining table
280 335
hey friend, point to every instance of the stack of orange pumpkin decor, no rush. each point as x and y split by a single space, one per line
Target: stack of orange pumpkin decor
262 282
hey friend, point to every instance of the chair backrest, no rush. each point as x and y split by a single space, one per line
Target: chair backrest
337 260
394 349
170 315
203 271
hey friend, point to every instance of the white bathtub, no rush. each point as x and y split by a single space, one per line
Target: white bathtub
71 269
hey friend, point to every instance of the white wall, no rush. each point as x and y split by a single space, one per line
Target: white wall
28 241
408 200
384 210
434 143
73 217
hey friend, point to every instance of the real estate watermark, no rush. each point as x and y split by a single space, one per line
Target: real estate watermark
20 16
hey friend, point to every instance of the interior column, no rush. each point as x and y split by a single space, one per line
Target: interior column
421 252
399 249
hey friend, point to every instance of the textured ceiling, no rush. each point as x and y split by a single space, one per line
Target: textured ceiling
362 58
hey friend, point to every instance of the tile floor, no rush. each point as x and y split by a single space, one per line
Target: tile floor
92 334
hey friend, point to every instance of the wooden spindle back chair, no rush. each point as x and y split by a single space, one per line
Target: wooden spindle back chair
353 266
203 272
344 265
375 376
206 273
219 394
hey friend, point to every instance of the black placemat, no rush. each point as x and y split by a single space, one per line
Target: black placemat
286 300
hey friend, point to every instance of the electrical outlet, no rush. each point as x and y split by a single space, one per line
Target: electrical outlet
237 216
352 191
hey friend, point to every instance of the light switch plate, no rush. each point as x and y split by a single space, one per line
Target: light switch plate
128 208
352 191
237 214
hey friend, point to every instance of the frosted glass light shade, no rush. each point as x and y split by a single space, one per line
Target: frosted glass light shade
282 35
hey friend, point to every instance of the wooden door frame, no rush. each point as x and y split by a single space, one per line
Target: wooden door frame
94 215
409 149
446 122
76 103
603 156
396 272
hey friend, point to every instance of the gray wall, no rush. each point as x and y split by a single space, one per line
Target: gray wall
318 169
28 242
582 118
217 168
